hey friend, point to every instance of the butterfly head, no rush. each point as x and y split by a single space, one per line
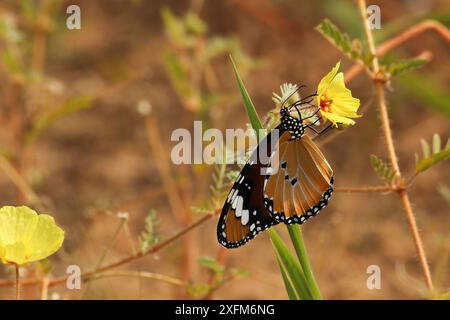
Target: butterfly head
289 123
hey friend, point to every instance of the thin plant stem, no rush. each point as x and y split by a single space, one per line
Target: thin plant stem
44 289
141 274
379 88
19 181
172 191
380 189
16 266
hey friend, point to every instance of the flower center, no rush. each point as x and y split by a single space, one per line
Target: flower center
325 104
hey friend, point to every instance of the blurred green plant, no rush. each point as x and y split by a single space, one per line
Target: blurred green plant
33 100
150 235
352 48
220 276
188 60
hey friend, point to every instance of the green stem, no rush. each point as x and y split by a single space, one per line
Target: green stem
295 232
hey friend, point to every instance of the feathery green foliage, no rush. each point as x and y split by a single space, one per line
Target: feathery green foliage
383 170
397 68
351 48
432 155
149 236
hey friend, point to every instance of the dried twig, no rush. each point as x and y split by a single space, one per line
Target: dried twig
379 88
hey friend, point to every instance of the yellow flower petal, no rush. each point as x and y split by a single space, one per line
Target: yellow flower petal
325 82
335 99
26 236
337 119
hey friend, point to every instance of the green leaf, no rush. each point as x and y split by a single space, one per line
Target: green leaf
292 266
435 158
149 236
397 68
198 290
383 170
436 143
211 264
249 107
43 122
176 29
11 62
351 48
239 272
425 148
179 78
434 155
195 24
287 282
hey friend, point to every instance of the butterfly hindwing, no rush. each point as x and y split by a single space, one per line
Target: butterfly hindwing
301 183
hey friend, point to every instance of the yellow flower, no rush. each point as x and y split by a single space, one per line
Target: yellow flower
26 236
335 100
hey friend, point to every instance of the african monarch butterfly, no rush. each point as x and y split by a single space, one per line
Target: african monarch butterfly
296 185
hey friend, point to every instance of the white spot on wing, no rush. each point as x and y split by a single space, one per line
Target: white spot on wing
245 217
233 204
240 202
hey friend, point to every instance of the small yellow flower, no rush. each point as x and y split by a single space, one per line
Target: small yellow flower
26 236
335 101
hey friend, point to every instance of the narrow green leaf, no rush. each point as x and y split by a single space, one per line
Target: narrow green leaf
178 76
436 143
211 264
287 282
292 266
425 148
251 111
72 105
295 233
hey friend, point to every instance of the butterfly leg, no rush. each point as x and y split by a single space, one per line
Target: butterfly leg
321 131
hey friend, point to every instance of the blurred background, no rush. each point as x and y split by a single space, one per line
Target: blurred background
87 115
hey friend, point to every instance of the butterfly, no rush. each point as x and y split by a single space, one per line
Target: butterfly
294 185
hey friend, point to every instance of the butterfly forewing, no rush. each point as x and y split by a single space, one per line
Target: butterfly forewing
244 214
